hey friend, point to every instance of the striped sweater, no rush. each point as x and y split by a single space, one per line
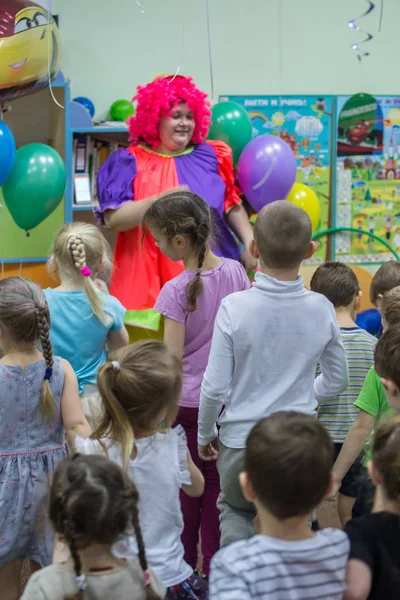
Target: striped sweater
338 413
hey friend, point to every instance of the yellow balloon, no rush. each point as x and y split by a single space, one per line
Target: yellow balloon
303 196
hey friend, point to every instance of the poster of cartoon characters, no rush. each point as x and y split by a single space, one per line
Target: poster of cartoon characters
305 123
368 177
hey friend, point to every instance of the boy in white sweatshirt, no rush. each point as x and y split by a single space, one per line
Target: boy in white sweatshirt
266 345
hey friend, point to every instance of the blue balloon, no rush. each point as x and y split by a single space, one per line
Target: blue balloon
370 320
7 151
88 104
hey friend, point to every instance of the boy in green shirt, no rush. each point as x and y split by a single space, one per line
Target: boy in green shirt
374 402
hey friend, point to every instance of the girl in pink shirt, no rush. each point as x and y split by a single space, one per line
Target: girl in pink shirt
181 224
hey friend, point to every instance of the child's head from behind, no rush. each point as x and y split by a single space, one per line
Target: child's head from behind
386 278
180 223
339 284
390 308
140 387
25 321
288 463
385 465
282 235
79 251
93 501
387 364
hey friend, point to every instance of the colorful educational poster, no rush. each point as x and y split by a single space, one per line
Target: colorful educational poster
305 123
368 178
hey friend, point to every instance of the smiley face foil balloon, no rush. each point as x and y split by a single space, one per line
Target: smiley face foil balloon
29 43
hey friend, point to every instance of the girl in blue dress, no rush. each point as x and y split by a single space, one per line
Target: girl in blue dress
39 400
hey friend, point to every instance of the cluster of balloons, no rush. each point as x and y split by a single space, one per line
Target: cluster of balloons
266 165
33 179
120 110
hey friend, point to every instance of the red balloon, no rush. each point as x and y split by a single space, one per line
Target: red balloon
24 48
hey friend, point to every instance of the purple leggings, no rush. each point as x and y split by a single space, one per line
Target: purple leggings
199 514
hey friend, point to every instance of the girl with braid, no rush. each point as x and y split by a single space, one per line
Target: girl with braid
83 319
93 502
38 401
180 223
140 388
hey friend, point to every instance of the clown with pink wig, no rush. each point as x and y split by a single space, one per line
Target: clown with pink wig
169 150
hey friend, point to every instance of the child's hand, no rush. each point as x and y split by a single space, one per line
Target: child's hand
248 261
334 491
209 452
101 285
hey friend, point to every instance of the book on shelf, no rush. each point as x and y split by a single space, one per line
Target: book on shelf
89 155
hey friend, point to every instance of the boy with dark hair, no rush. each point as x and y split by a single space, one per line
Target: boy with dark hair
339 284
387 361
372 402
266 345
287 472
386 278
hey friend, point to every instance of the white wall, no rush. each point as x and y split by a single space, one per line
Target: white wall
109 46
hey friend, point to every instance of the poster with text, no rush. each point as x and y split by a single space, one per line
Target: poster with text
305 123
368 177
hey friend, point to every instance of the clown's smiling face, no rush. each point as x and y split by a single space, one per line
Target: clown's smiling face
176 129
24 44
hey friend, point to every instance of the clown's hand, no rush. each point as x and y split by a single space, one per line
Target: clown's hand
247 259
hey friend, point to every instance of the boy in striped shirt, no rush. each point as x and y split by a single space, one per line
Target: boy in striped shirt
287 471
339 284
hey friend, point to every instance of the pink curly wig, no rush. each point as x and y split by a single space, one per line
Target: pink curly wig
158 98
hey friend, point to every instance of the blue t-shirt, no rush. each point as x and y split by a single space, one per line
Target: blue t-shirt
77 335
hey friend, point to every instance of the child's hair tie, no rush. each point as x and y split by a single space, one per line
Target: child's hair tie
115 364
198 271
81 582
86 272
147 578
48 373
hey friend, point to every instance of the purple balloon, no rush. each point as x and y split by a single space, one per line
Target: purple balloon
266 170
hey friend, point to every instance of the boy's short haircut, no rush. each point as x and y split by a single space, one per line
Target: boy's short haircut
386 278
288 460
283 234
387 355
390 306
337 282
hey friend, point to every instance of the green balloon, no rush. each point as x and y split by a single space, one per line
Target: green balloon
231 124
121 109
35 186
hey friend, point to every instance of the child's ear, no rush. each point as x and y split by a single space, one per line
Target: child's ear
246 486
390 387
373 473
180 242
254 250
311 249
357 301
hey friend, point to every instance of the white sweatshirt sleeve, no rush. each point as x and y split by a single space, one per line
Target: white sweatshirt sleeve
334 377
217 378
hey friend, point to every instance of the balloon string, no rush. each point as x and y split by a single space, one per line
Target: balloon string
280 41
140 7
20 269
182 43
209 50
380 17
48 54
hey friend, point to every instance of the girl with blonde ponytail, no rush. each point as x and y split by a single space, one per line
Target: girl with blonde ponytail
84 320
181 224
140 387
38 401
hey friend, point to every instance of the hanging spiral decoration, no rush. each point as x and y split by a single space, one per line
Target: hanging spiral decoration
358 46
